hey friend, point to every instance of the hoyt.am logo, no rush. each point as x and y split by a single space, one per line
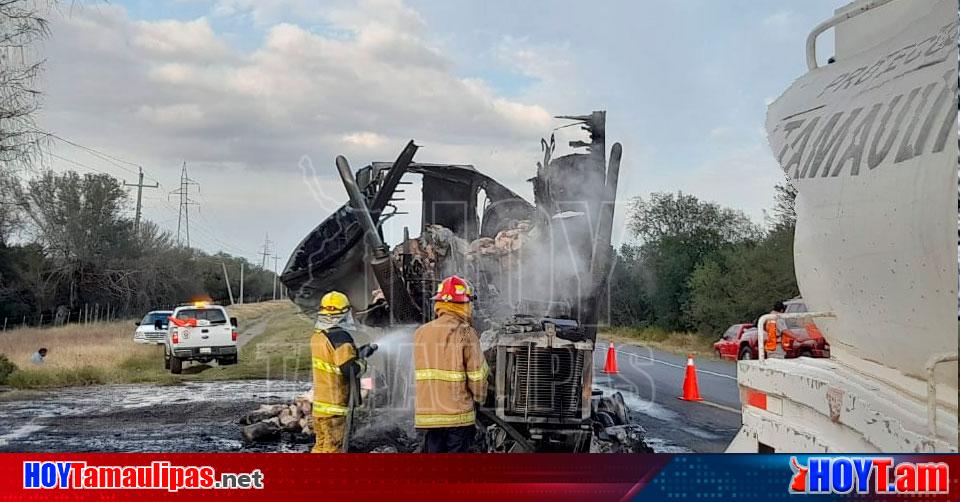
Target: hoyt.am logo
879 475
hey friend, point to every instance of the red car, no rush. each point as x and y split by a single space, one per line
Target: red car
733 342
799 338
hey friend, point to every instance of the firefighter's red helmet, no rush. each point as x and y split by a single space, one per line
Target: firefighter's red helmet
453 289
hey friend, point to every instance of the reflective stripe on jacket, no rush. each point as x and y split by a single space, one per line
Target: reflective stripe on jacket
451 373
330 349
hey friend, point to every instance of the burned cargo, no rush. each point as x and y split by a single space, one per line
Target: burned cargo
538 270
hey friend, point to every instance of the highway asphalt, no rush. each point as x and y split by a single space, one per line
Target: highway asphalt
651 382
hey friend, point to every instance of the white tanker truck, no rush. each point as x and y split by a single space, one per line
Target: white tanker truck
869 138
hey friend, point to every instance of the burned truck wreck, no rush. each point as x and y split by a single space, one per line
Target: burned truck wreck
539 272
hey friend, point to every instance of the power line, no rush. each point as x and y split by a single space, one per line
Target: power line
183 216
79 164
237 249
117 161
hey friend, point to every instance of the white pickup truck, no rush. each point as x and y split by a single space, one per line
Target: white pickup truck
200 332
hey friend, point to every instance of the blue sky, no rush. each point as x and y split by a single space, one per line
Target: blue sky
685 84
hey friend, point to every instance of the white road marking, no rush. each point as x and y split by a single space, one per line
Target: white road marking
721 407
681 366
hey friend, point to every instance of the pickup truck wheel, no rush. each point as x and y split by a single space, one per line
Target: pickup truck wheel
176 365
226 361
745 353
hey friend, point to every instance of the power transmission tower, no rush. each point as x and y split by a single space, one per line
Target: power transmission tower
183 217
140 186
266 251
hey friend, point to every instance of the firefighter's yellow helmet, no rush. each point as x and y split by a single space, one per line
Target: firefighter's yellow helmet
334 303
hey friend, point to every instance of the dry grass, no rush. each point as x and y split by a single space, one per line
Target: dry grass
676 342
73 346
106 353
252 311
281 352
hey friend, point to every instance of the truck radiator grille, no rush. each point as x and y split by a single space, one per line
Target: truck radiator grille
547 382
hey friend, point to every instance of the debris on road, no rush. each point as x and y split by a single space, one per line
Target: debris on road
267 422
376 433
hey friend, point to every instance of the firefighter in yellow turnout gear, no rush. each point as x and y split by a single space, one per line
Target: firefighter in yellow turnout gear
336 365
451 373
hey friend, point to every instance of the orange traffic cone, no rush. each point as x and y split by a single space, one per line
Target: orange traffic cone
691 391
611 365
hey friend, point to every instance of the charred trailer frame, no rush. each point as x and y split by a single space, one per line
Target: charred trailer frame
542 358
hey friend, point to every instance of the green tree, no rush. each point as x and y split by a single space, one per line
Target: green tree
86 251
78 221
741 282
628 304
784 214
678 232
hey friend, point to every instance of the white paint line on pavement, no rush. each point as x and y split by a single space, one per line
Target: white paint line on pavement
721 375
721 407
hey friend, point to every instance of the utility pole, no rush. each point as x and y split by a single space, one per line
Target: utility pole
226 278
241 283
276 259
266 251
183 217
140 186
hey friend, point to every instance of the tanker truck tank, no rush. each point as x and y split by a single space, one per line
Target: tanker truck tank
870 142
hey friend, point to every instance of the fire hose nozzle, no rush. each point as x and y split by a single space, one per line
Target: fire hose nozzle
367 350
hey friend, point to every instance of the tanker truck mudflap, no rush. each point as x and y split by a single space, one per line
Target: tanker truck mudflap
870 142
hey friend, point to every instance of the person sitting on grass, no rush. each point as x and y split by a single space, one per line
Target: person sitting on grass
39 356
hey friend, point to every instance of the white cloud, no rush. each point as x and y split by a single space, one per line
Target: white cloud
160 92
540 61
191 40
173 116
283 99
364 139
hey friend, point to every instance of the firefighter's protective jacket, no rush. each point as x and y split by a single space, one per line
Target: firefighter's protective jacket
451 372
334 361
